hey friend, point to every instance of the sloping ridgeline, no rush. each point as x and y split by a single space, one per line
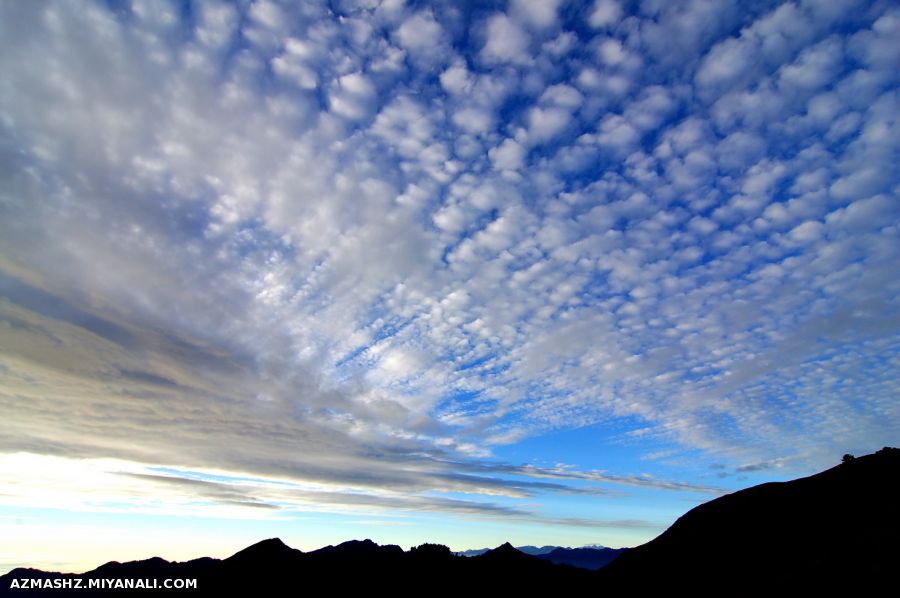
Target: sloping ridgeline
838 530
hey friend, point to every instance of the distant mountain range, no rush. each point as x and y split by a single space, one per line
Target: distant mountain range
586 557
583 558
532 550
837 532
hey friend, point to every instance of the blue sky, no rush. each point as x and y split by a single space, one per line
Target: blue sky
549 271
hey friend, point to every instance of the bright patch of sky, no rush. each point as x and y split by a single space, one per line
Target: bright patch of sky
524 269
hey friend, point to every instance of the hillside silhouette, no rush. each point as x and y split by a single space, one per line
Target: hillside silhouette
836 530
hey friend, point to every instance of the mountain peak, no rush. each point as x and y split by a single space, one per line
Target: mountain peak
272 548
269 545
358 548
505 551
272 543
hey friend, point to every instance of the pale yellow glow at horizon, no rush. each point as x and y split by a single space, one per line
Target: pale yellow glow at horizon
75 548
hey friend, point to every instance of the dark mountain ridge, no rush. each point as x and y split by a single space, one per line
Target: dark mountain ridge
583 558
586 557
836 530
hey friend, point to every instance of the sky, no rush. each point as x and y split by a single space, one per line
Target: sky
539 271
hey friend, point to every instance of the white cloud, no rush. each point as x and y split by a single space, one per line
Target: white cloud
561 45
546 123
814 67
540 14
808 232
604 13
562 95
456 79
878 47
612 52
651 108
423 37
864 214
474 120
353 96
726 63
505 41
267 13
616 132
217 24
451 218
295 71
509 155
162 15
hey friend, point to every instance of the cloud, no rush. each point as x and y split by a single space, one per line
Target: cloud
373 252
761 466
509 155
604 13
562 95
352 96
474 120
540 14
505 41
423 37
617 133
546 123
217 24
296 72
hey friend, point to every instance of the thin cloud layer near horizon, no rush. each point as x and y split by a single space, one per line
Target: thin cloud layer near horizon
543 271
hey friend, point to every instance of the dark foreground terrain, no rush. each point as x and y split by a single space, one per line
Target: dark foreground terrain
836 531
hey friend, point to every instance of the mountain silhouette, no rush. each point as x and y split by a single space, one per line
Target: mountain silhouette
536 550
272 550
505 553
587 557
506 568
838 530
583 558
358 549
835 531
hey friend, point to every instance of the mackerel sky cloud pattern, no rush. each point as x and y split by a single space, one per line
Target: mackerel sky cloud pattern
355 253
